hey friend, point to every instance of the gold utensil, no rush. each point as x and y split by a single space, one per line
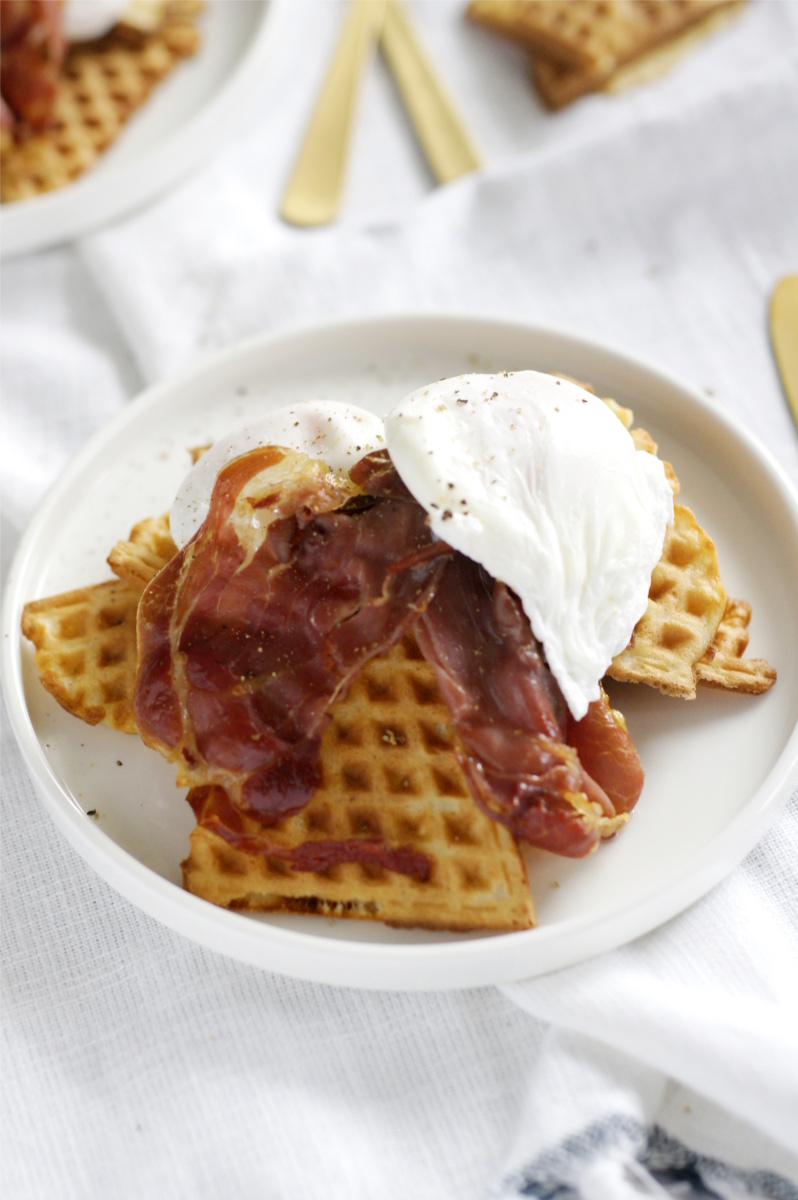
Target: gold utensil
784 336
314 190
446 145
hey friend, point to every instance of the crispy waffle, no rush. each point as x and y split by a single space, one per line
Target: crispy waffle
389 771
102 84
723 665
691 632
141 557
86 639
685 604
86 650
582 46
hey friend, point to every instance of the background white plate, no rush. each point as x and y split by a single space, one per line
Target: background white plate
182 123
718 768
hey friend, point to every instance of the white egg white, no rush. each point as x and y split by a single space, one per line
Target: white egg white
337 434
537 480
83 20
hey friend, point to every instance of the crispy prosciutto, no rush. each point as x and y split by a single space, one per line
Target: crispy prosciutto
607 753
32 52
296 579
248 635
511 719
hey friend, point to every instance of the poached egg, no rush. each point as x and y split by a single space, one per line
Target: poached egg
538 480
336 434
83 20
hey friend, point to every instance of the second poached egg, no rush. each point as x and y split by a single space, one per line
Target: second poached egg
337 434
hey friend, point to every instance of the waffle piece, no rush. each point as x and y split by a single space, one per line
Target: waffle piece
723 665
86 650
581 46
685 611
141 557
592 35
389 771
654 45
685 604
570 32
102 84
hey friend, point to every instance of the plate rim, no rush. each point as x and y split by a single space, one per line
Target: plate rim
170 160
307 956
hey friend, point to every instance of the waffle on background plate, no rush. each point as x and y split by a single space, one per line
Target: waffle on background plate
582 46
100 85
389 765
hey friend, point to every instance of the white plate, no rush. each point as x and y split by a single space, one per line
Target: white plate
718 768
184 120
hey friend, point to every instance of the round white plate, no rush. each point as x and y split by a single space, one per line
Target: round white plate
183 122
717 768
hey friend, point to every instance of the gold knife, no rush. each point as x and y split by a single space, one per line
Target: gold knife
446 145
784 336
314 190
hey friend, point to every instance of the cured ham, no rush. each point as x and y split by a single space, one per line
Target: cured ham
32 53
607 753
248 635
511 719
296 579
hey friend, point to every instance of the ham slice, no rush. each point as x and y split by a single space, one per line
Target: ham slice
512 721
32 54
250 633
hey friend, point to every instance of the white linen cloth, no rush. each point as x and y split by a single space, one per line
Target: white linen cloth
138 1064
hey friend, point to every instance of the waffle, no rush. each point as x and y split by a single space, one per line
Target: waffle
141 557
582 46
86 650
691 632
86 639
723 665
389 771
102 84
685 604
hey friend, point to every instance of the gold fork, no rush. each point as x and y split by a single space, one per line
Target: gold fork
313 194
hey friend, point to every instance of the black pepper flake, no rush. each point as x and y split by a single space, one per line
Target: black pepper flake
446 515
119 762
460 400
92 812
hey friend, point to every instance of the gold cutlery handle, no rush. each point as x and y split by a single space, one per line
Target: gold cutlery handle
784 336
313 194
446 145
